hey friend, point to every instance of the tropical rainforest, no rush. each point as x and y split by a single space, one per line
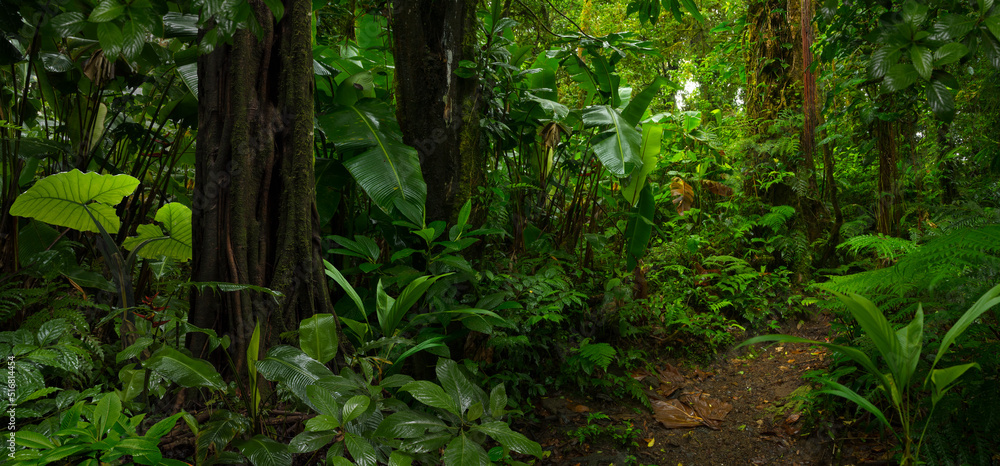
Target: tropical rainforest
467 232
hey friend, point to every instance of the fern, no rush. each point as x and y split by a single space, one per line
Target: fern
599 354
72 309
777 217
885 247
224 287
955 254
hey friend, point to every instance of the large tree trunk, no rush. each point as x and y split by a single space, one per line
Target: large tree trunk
888 210
255 220
438 111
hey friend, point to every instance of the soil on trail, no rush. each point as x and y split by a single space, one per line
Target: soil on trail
745 408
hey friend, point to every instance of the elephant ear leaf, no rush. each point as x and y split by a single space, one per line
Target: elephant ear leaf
176 219
64 199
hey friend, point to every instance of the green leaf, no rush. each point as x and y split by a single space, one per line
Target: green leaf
861 401
63 199
652 135
911 340
462 451
293 368
306 442
324 401
184 370
943 378
639 228
323 423
318 337
431 395
457 385
636 107
29 439
408 424
618 148
276 7
516 441
134 349
398 458
388 170
355 407
176 218
984 303
106 10
107 412
900 77
390 318
68 23
51 331
133 38
163 427
914 12
883 59
693 9
923 61
941 100
498 401
111 39
334 273
262 451
949 53
362 451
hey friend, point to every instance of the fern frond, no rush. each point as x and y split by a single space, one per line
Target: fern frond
225 287
884 247
777 217
599 354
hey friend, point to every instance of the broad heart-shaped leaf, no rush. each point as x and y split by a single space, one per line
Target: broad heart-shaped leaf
941 100
176 218
184 370
63 199
293 368
262 451
431 395
318 337
516 441
462 451
652 134
618 147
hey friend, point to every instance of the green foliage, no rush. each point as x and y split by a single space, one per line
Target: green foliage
77 200
901 352
92 434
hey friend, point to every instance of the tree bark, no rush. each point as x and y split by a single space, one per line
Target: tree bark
438 111
888 211
254 217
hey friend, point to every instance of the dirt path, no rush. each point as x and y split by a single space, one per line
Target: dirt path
754 394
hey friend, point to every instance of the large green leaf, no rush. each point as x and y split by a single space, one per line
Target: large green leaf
652 135
362 451
941 100
640 102
107 412
942 379
543 82
293 368
262 451
640 227
184 370
619 146
457 385
516 441
923 60
408 424
324 401
431 395
318 337
462 451
63 199
388 170
390 317
355 407
842 391
176 218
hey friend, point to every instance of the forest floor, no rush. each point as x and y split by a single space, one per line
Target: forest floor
742 408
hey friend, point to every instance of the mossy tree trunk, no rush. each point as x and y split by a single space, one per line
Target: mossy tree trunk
437 110
779 37
255 220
